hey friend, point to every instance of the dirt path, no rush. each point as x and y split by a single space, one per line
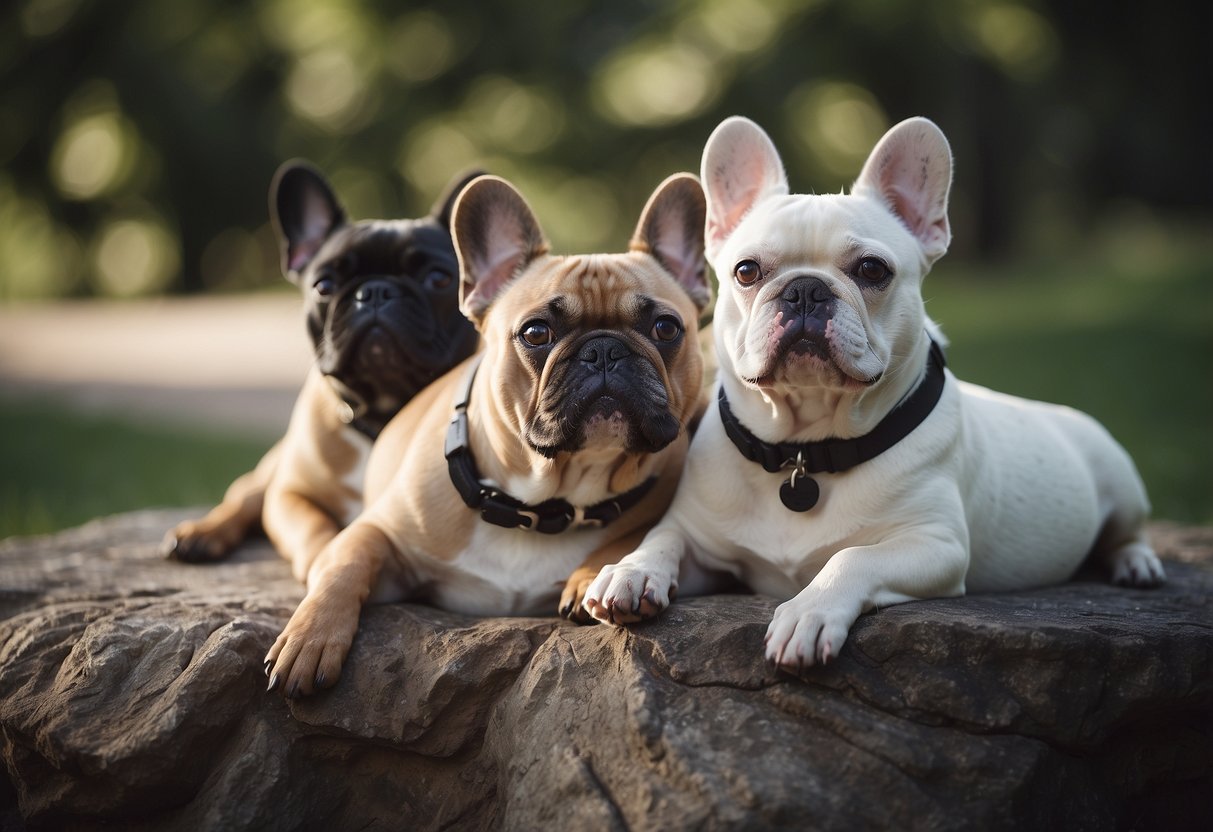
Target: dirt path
231 364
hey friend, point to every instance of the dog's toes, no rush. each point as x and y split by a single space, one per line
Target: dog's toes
307 656
624 595
190 544
184 548
779 633
651 604
572 600
1136 565
301 679
801 636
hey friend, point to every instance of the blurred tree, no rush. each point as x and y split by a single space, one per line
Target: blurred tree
137 140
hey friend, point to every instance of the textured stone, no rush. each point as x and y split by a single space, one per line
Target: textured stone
132 693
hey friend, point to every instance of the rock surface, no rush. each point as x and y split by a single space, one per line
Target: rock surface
132 694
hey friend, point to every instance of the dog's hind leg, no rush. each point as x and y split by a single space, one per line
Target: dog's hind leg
1124 546
1122 543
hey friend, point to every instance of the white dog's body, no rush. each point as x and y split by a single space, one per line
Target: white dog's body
820 333
937 485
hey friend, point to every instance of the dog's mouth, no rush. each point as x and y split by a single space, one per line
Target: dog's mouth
801 354
605 422
806 344
371 350
794 350
378 365
628 420
379 349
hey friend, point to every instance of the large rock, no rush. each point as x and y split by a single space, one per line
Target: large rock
131 693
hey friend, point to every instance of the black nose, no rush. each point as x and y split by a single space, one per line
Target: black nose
602 352
805 294
376 293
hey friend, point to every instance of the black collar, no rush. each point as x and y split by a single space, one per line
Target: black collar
800 492
496 507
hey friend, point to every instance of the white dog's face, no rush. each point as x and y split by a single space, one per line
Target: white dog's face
822 291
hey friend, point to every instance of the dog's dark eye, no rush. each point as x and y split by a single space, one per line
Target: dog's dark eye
666 328
438 280
872 270
536 334
324 286
747 272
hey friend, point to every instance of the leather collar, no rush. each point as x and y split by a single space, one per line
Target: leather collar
800 492
495 506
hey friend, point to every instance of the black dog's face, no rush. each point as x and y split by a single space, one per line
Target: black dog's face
381 296
382 302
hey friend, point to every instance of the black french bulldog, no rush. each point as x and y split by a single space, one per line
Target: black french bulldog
382 305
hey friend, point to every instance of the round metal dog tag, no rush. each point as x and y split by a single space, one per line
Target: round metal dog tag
799 493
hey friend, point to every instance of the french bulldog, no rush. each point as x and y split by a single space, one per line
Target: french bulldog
844 468
381 299
548 454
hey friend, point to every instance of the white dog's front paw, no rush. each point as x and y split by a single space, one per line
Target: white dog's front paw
623 593
802 634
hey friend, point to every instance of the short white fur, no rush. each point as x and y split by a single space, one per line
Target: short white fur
989 493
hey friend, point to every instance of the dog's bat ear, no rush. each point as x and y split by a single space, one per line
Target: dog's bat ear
740 168
445 204
304 211
910 171
496 235
671 229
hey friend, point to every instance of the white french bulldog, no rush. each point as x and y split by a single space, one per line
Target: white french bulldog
844 468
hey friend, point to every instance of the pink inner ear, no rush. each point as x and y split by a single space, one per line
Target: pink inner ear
301 254
912 206
739 178
743 197
679 251
510 241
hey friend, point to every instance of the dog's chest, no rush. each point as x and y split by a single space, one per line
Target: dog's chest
509 571
353 479
778 551
740 525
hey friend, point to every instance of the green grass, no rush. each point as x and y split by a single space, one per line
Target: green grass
1132 345
59 468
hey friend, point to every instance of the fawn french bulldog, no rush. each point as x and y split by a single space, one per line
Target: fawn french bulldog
549 453
844 468
382 304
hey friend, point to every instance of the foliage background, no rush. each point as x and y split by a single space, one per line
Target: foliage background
137 140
